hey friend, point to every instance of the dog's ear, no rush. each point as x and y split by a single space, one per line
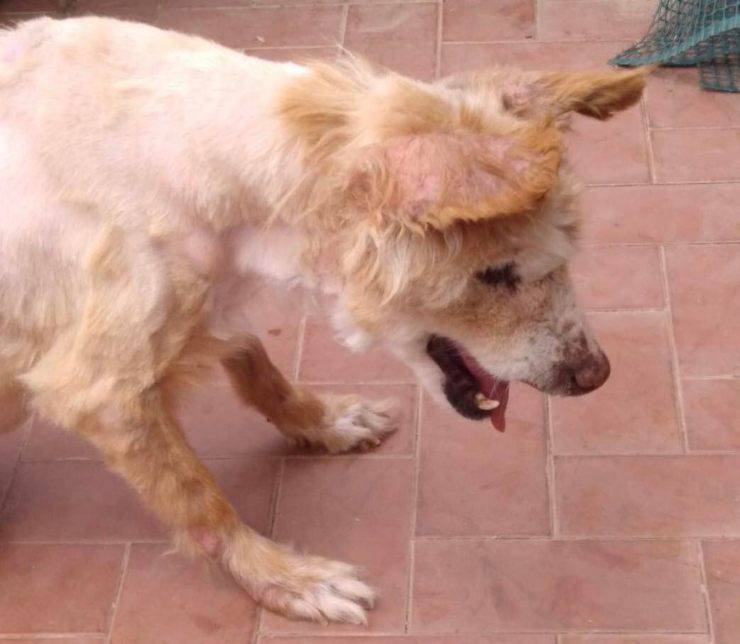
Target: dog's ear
598 94
436 179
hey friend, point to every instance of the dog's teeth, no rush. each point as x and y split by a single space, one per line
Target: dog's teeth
486 404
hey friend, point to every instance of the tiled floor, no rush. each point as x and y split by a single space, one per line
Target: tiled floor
610 519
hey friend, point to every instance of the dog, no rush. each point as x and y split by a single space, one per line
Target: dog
151 179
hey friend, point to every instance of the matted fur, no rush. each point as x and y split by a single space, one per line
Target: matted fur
152 183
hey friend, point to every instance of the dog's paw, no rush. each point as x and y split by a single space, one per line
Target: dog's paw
352 423
320 590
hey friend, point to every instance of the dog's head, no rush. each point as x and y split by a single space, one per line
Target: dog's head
453 218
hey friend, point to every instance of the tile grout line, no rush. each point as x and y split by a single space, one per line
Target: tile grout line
705 589
722 376
119 592
416 473
649 152
358 383
531 41
675 367
62 637
486 633
299 347
343 25
257 631
671 128
682 454
433 537
438 43
550 468
656 245
643 184
26 438
359 636
575 538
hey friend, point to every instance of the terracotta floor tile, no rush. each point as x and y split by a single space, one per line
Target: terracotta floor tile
324 359
69 500
712 412
275 315
470 586
355 510
425 639
399 36
47 442
722 564
481 20
58 639
138 10
218 424
697 155
634 639
57 588
254 27
10 446
475 480
635 410
621 277
594 20
74 500
185 4
528 55
675 99
704 282
609 152
30 5
170 598
648 496
249 484
618 214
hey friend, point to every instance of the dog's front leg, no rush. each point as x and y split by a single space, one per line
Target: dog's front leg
143 443
336 423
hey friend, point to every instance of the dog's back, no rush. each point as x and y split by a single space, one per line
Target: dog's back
117 136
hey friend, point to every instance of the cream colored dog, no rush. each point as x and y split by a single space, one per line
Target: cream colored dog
149 180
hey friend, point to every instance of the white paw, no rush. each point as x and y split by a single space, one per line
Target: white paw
320 590
352 423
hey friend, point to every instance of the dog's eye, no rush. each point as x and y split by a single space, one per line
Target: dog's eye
504 275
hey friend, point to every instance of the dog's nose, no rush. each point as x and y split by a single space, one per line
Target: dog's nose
592 371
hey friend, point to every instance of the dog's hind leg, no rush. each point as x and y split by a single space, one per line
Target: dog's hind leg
336 423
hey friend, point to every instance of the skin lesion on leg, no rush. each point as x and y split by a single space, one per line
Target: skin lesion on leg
333 422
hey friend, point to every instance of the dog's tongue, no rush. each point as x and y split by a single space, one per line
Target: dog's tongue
491 387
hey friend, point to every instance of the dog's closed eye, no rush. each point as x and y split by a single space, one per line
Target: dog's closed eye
504 275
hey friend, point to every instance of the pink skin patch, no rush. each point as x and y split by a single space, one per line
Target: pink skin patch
12 52
208 540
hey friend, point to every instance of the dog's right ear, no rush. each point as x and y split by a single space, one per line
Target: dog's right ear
598 94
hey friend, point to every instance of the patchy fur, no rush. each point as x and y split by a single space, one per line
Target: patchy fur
152 181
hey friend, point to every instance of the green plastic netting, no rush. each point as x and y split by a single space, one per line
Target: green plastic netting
693 32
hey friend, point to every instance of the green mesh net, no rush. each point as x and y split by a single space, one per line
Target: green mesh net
693 32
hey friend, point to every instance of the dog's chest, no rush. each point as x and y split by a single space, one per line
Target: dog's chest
253 261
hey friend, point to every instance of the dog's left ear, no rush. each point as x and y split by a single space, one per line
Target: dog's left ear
598 94
436 179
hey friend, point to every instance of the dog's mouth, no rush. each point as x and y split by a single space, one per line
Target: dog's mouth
470 389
